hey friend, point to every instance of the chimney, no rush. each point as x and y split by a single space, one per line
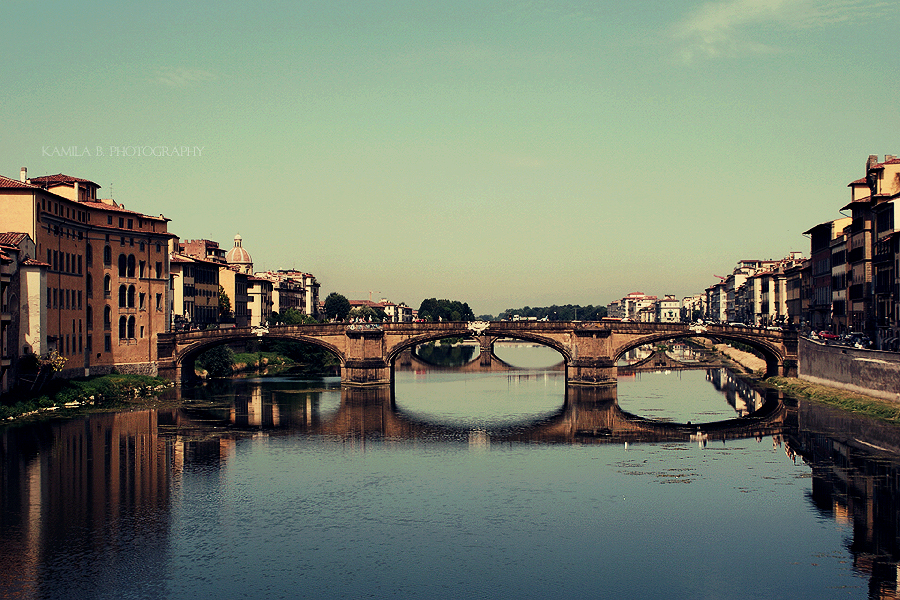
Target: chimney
873 160
889 157
23 175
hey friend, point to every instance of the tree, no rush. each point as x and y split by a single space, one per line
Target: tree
433 309
224 304
337 307
292 316
367 313
218 361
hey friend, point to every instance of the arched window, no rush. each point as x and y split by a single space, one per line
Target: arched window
107 286
131 263
123 327
123 266
107 256
123 294
107 318
131 296
131 328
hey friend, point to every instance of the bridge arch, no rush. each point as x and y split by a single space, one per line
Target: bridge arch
185 360
770 351
486 341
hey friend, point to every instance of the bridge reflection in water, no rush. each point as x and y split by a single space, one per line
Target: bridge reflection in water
62 478
587 415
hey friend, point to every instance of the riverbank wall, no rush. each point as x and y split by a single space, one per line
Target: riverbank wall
869 372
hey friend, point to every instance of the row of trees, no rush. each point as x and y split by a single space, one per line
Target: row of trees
567 312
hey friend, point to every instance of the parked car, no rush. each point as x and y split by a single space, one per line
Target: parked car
827 335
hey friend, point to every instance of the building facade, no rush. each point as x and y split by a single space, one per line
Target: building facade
107 288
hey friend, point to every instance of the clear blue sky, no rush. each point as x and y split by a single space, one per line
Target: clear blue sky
499 153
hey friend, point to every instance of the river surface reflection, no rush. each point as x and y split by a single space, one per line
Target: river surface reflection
454 485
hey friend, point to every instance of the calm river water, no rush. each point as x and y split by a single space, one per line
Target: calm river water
454 485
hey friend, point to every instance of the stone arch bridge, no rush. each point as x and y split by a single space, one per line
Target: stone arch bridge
367 351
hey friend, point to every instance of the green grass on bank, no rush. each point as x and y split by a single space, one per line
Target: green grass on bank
876 408
70 393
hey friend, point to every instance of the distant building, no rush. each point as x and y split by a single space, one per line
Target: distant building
668 310
238 258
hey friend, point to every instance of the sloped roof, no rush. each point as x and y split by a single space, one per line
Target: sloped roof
11 238
8 182
61 178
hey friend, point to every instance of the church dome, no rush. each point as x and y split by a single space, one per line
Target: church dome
239 257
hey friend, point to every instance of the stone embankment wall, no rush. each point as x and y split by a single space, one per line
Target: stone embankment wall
869 372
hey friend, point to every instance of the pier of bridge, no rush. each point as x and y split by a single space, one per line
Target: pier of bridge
367 351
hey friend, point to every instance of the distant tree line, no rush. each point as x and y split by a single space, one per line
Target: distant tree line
566 312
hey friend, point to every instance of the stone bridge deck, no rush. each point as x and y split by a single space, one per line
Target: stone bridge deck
367 352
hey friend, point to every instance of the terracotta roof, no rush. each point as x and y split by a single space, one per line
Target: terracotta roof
7 182
366 303
180 258
857 202
60 178
11 238
31 262
893 161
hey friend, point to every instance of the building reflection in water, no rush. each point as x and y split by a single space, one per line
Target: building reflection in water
84 487
101 486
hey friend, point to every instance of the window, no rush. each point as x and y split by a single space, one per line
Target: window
107 318
107 256
79 264
131 328
142 297
131 265
141 271
109 219
130 223
89 284
123 296
89 320
107 342
123 266
107 289
123 327
158 270
159 302
121 223
131 296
